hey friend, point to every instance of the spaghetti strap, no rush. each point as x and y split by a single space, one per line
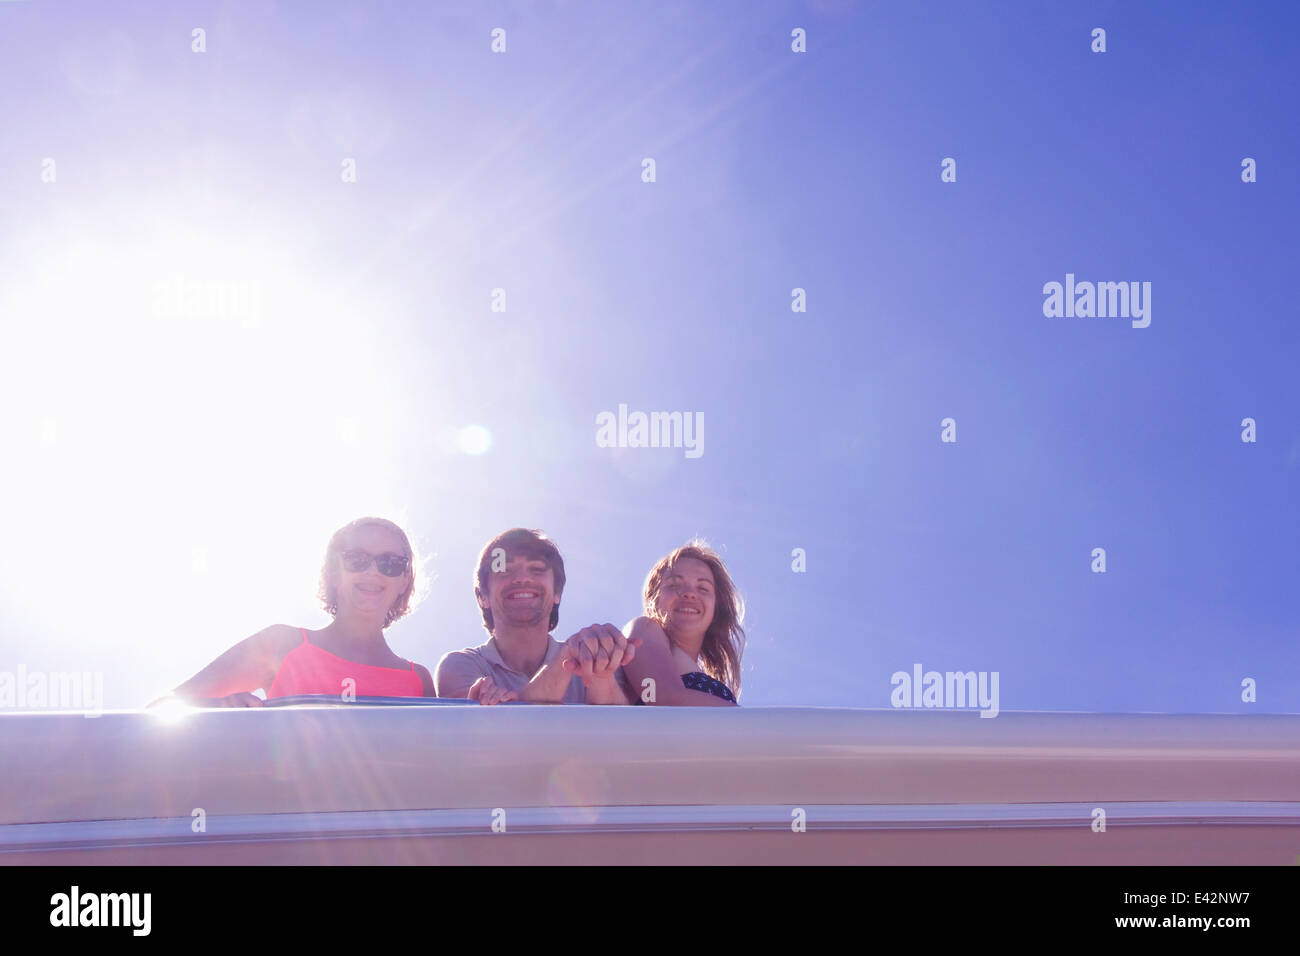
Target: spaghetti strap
304 635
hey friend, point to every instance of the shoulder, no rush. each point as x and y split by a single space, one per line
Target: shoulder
458 666
426 679
466 657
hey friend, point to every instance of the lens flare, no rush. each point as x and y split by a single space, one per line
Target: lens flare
474 440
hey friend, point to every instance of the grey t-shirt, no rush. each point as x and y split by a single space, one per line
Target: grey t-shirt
458 670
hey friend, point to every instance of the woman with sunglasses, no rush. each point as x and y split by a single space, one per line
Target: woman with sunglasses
365 585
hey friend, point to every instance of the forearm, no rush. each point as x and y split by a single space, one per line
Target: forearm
606 691
548 686
452 689
199 688
248 666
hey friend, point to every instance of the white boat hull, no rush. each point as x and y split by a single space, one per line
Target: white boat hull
529 784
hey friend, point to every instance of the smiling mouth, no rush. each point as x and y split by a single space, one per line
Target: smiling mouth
370 589
523 595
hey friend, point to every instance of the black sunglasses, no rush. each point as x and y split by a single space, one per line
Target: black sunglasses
390 565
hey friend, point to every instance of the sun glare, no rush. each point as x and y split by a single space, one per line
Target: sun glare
194 414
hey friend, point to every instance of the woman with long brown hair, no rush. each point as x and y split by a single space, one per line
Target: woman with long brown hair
691 634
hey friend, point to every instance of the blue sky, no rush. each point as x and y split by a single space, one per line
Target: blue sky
170 480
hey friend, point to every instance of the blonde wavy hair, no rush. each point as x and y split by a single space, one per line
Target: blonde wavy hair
724 641
328 591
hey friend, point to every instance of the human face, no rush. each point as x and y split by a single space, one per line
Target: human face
686 597
368 592
521 594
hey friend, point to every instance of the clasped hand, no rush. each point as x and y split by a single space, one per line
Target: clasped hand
597 652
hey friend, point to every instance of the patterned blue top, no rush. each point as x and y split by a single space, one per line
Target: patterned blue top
698 680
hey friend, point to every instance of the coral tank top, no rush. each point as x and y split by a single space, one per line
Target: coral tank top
308 669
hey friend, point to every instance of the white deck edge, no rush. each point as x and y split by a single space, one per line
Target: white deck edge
282 827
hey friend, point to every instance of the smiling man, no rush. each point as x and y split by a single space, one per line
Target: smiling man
518 585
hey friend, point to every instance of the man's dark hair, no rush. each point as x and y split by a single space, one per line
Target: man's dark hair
528 543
